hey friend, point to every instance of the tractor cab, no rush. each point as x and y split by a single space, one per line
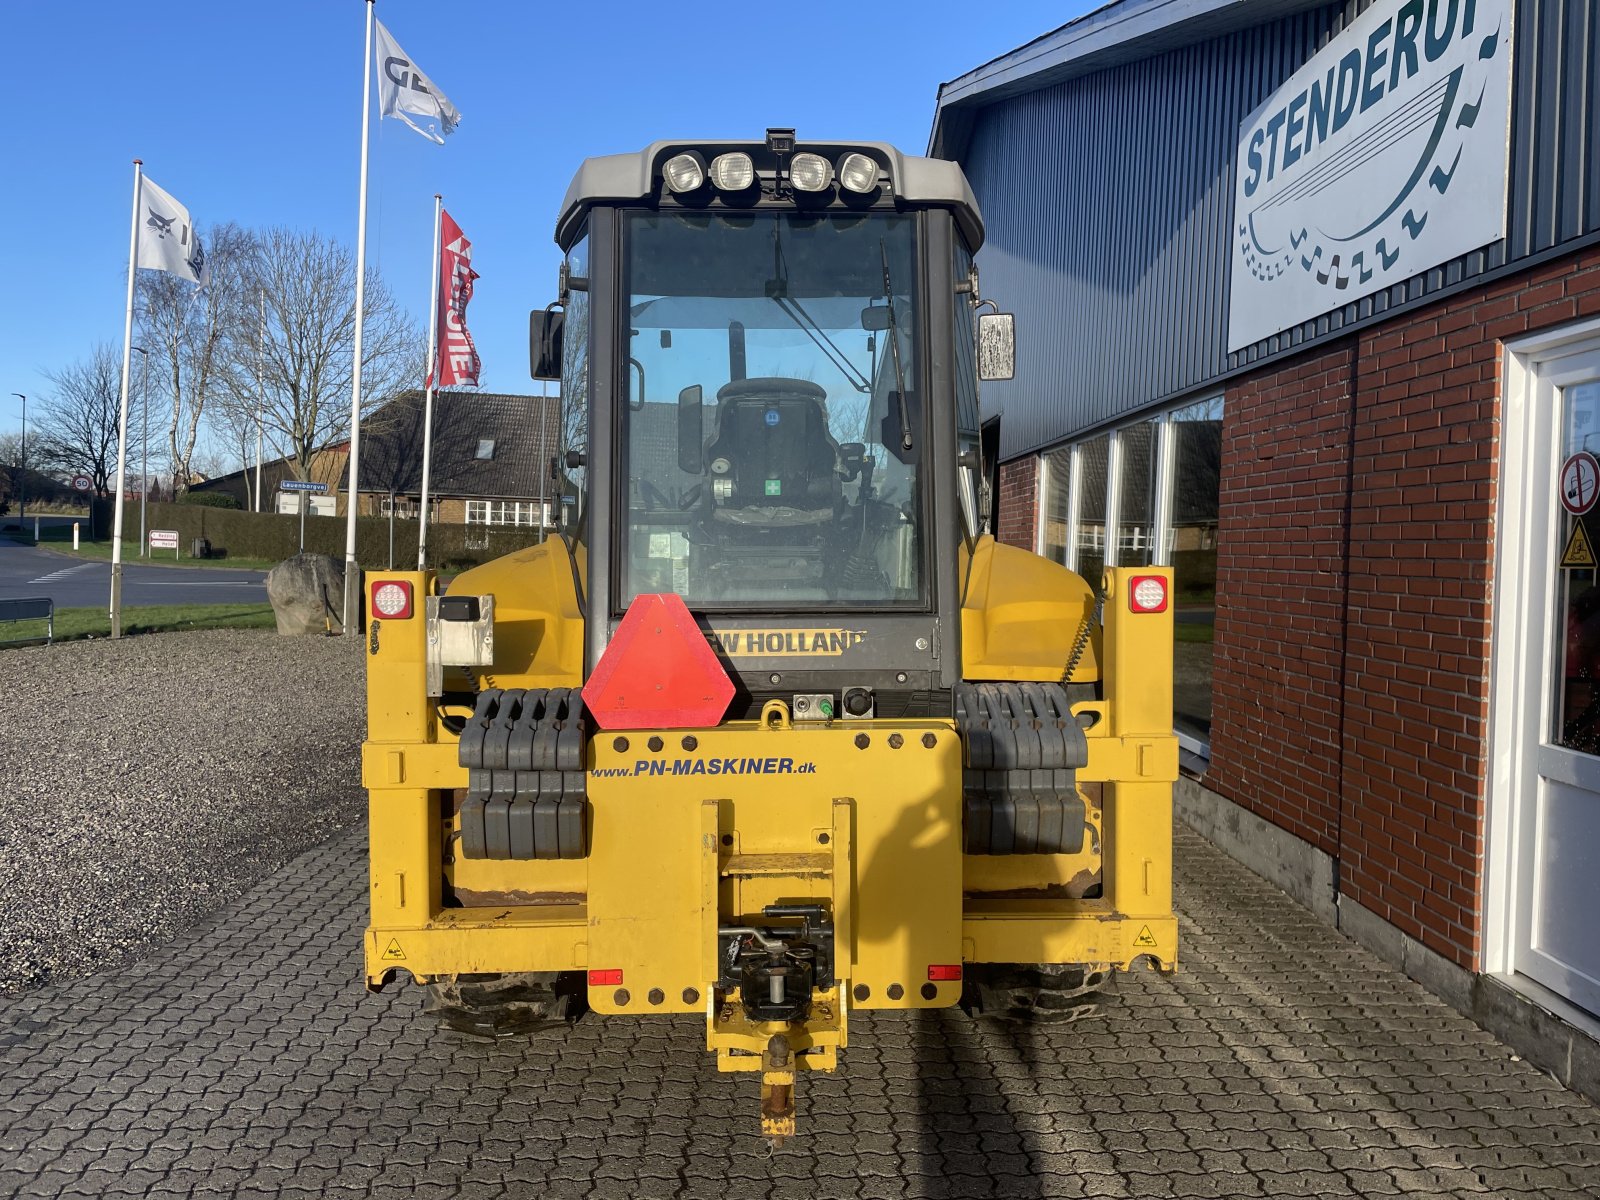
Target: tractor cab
765 352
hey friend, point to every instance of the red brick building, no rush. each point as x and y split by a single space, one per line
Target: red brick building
1345 378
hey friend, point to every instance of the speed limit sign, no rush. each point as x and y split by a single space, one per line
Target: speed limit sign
82 482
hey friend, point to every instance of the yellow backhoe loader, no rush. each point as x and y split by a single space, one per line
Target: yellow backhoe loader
768 728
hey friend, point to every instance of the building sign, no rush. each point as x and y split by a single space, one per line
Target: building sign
1381 157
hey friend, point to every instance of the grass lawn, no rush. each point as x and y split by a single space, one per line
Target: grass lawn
1193 633
62 541
74 623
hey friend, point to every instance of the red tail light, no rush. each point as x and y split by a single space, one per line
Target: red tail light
1147 594
945 973
391 600
611 978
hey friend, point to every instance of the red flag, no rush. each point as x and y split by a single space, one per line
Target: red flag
458 357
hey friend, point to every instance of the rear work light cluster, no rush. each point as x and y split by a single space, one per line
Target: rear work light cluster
391 600
735 172
1147 594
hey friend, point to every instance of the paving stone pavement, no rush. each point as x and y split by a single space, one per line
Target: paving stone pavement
1282 1060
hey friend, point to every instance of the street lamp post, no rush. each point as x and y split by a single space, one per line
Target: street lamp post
144 443
22 470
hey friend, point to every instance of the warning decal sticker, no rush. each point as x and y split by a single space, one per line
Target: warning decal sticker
1579 551
1145 938
393 953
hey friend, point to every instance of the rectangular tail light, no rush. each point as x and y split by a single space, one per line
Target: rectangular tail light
946 973
609 978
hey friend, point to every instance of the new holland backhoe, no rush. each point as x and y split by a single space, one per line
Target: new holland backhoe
769 729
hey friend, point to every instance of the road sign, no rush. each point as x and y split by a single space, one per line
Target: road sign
163 539
82 482
1580 483
301 485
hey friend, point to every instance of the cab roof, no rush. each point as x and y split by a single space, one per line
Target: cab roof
631 178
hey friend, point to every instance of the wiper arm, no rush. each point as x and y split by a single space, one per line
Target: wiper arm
778 292
894 350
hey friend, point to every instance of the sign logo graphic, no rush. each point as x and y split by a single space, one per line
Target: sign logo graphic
1381 157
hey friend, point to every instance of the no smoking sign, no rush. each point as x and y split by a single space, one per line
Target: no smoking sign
1579 487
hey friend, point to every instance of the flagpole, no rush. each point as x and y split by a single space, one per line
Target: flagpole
261 391
427 404
122 413
350 618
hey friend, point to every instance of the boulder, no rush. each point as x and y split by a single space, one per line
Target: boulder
307 594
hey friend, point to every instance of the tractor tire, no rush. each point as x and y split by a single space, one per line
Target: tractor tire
506 1006
1035 993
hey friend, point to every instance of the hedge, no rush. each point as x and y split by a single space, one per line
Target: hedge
235 534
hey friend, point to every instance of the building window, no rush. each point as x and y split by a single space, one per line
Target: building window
1157 483
1196 456
1136 496
1056 504
485 448
404 507
507 512
1094 458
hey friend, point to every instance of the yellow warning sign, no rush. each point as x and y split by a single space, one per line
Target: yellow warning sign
393 953
1579 551
1145 938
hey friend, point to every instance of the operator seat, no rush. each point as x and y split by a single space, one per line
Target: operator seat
771 459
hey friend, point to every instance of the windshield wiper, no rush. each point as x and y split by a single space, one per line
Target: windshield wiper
778 293
894 350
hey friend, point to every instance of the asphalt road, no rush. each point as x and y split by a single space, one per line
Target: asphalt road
74 583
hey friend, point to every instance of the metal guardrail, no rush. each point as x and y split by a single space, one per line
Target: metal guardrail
30 609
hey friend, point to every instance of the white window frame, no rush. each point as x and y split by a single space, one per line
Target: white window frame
1518 697
515 514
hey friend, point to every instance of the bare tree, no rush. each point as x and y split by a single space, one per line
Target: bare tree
190 330
78 422
295 371
11 464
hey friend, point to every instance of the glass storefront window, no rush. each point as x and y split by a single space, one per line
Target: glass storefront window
1150 510
1092 461
1136 496
1057 502
1197 472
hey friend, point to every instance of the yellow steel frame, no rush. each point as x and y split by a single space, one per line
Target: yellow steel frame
863 817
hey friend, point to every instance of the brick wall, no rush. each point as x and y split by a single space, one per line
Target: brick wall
1018 501
1281 541
1354 573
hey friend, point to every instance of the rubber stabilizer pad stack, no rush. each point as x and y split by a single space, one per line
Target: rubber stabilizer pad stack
1022 749
523 751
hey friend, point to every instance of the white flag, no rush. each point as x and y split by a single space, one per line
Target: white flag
404 91
167 237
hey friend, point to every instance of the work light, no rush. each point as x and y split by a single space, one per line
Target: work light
857 173
810 172
733 172
685 172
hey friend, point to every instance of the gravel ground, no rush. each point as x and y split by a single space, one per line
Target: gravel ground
146 784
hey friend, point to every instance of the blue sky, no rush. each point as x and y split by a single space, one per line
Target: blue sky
251 113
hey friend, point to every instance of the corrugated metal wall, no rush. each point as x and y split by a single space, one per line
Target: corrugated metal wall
1108 201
